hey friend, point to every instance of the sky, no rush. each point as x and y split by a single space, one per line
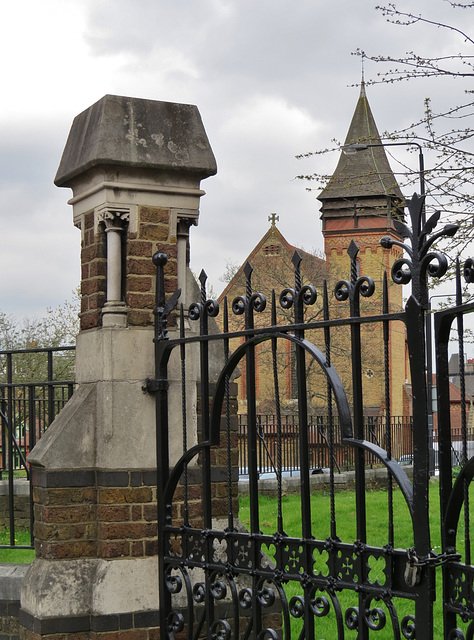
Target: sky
271 78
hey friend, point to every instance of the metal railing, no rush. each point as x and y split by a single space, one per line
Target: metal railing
273 441
35 384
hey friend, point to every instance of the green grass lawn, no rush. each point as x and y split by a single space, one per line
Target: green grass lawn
377 535
22 537
345 508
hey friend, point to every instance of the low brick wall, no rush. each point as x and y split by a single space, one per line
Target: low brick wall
89 514
374 478
21 493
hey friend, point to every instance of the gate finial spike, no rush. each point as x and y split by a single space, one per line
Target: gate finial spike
203 280
296 259
353 250
248 276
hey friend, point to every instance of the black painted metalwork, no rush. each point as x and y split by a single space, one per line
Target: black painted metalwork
35 384
219 579
280 433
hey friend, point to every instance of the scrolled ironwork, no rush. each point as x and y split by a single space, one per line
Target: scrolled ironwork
351 618
173 583
468 271
308 294
245 598
341 290
434 265
456 634
268 633
212 308
408 627
375 618
195 311
365 286
230 559
387 597
357 286
199 592
296 606
239 304
421 263
266 596
287 298
220 630
174 623
399 274
258 302
218 589
320 605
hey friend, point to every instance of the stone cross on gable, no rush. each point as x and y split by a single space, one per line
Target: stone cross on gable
273 218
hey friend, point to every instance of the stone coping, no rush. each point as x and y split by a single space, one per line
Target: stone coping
21 487
11 578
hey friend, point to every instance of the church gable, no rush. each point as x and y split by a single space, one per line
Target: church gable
271 260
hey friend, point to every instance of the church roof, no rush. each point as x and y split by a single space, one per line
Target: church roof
365 173
271 238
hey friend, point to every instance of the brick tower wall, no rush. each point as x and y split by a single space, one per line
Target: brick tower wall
153 234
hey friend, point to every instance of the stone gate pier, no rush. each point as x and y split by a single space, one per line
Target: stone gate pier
135 169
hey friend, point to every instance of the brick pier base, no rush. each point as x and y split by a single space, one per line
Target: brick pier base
92 528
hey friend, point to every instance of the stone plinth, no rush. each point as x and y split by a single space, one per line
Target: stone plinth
134 167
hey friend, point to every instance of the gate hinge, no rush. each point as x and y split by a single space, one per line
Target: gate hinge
152 385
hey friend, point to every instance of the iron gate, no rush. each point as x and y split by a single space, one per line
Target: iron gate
220 579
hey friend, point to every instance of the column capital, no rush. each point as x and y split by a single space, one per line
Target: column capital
114 217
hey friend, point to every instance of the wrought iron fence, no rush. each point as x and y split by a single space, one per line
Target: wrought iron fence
35 384
318 428
343 460
220 579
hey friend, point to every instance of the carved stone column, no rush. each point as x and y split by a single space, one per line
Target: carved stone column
114 311
184 220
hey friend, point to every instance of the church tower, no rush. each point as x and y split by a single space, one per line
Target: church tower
360 203
362 197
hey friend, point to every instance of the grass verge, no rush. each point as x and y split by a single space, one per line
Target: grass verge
377 535
22 537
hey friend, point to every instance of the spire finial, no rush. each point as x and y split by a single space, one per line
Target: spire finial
273 218
362 81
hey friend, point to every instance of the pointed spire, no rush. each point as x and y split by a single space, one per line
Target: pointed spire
366 173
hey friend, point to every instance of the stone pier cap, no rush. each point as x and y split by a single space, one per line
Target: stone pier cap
134 132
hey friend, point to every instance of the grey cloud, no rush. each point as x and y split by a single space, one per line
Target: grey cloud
224 56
